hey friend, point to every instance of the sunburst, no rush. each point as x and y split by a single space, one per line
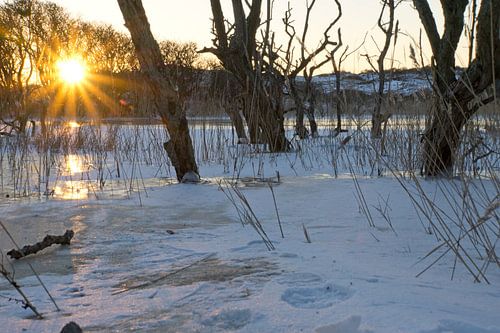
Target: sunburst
72 71
78 89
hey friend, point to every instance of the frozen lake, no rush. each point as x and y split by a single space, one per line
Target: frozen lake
152 255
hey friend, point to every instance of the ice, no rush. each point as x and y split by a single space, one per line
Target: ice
167 257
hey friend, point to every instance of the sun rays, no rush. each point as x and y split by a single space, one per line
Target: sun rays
71 71
81 92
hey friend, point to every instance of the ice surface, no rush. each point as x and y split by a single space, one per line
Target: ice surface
167 257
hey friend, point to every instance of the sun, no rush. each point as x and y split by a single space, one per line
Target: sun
76 90
71 71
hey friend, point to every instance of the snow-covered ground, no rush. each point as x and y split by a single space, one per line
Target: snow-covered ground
166 257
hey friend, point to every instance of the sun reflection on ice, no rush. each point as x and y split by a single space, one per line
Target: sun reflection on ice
73 165
73 124
70 189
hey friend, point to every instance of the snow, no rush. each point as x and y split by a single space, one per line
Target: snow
168 257
190 177
404 84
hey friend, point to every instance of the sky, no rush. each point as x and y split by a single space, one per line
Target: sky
190 20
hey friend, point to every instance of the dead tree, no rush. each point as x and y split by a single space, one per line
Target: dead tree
390 29
337 70
305 98
236 47
458 99
179 147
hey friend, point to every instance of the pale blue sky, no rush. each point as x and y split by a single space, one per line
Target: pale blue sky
189 20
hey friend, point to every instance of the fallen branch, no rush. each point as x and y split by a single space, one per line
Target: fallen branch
46 242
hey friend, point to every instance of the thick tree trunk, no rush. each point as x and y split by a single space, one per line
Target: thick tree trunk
165 99
441 141
274 132
182 154
453 108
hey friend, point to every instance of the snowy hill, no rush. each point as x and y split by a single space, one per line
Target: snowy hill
403 83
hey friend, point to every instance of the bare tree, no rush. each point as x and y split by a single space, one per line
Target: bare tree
305 98
390 30
458 98
236 47
179 148
337 70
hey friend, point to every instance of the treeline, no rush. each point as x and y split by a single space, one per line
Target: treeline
35 35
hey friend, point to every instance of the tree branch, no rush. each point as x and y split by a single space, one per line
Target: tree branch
429 23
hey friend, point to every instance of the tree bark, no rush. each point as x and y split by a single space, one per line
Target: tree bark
455 106
234 113
164 96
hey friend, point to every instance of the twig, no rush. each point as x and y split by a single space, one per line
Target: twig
276 209
25 301
306 234
31 267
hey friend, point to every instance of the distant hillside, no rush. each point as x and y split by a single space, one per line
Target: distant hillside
405 83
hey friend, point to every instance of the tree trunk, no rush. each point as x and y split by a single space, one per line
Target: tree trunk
300 129
312 123
252 117
454 108
310 106
338 101
377 116
234 114
164 97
